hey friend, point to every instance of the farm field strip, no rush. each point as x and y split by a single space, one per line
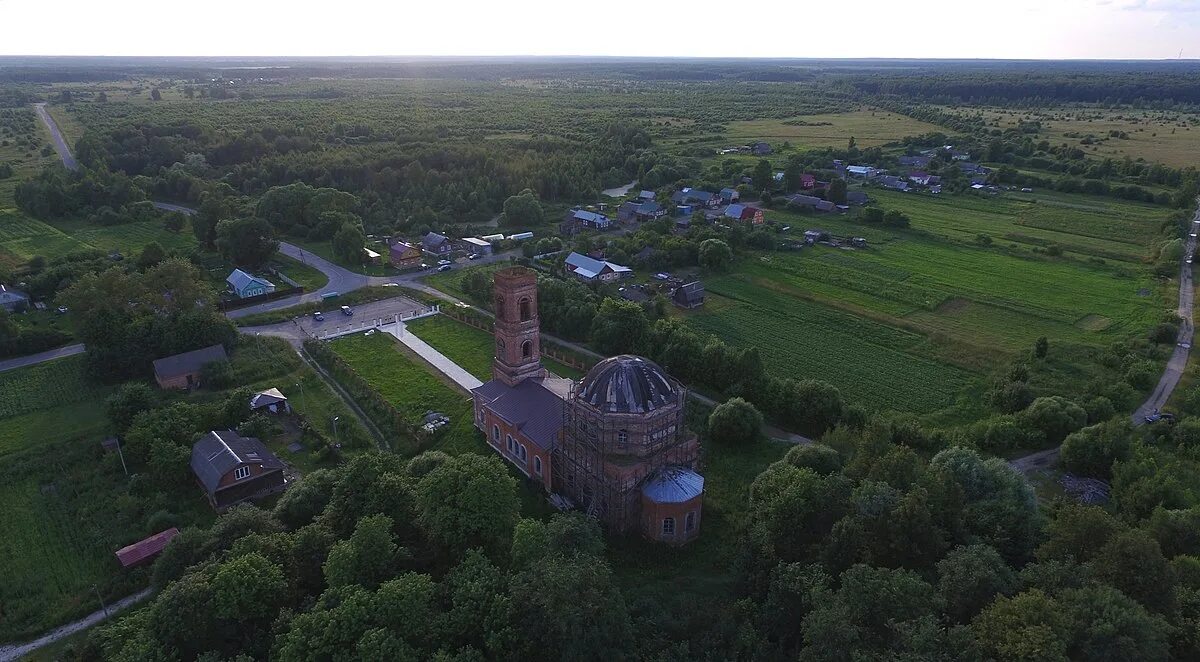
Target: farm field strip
45 386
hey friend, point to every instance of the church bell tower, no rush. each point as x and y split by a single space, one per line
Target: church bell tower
518 346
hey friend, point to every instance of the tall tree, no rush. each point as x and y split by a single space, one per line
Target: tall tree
247 242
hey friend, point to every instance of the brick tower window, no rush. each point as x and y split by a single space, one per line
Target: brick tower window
668 526
527 349
526 309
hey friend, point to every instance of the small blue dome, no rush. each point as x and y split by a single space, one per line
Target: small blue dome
673 485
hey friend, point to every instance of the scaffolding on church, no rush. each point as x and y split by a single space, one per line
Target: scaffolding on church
604 457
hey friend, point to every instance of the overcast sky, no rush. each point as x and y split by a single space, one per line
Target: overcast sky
1050 29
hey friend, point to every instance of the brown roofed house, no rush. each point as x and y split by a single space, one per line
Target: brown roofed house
232 468
689 295
183 370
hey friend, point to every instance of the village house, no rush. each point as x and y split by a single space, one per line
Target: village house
244 286
271 401
437 244
893 182
866 172
744 213
915 161
813 236
760 149
646 196
690 196
588 219
969 168
370 256
811 202
689 295
808 182
613 444
639 211
403 255
590 269
857 198
14 301
182 371
476 246
729 195
232 468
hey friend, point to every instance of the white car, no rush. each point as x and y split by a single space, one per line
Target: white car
442 263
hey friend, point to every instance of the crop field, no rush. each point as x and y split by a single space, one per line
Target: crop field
45 385
1168 137
1085 226
869 128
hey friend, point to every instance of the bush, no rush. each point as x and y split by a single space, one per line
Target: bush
822 459
1092 451
1054 416
735 421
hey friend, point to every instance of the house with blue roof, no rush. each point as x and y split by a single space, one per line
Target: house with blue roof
729 195
245 285
588 219
590 269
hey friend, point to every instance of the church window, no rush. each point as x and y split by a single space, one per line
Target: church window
496 433
537 465
512 446
527 349
689 522
622 437
668 528
526 309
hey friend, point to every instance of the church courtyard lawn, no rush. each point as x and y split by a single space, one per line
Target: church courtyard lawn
469 347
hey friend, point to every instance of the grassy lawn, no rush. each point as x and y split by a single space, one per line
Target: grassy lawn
471 348
325 250
450 282
309 278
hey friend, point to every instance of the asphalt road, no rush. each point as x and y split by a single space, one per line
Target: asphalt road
48 355
60 143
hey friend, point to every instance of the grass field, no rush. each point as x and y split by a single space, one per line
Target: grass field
469 347
309 278
869 128
1168 137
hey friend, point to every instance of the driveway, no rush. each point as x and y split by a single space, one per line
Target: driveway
60 143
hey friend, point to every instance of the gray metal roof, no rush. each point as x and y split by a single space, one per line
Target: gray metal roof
188 362
239 280
219 452
9 295
270 396
627 384
534 406
673 485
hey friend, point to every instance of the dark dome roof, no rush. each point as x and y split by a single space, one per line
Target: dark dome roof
628 385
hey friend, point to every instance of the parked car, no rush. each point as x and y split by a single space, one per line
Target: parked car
346 311
442 263
473 256
445 267
318 316
62 310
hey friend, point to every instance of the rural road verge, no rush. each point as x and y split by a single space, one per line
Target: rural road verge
60 143
15 652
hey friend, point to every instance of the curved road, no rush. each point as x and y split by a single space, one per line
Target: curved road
1174 369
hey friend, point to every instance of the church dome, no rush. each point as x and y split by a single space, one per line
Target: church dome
627 385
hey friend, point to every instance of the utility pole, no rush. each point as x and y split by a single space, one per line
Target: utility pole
336 442
300 386
103 606
121 455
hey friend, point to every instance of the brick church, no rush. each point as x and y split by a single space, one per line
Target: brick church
614 443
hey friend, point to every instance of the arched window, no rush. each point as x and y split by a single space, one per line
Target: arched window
521 452
537 465
499 345
526 309
668 526
496 433
527 349
499 306
508 440
689 522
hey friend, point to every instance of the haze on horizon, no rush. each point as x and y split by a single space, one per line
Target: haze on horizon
1010 29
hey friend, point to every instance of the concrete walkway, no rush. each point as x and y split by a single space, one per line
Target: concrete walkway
435 358
16 652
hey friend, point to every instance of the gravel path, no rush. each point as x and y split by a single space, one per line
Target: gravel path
14 652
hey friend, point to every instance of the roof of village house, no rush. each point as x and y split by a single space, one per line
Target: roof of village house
188 362
534 406
268 397
402 247
734 211
673 484
591 267
218 452
856 196
627 384
433 239
646 195
589 216
692 194
240 280
143 549
728 191
474 241
9 295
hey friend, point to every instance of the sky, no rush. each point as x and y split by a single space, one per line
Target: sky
1005 29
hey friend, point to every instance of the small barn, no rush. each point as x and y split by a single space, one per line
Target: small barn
232 468
271 401
182 371
144 551
436 244
689 295
403 255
